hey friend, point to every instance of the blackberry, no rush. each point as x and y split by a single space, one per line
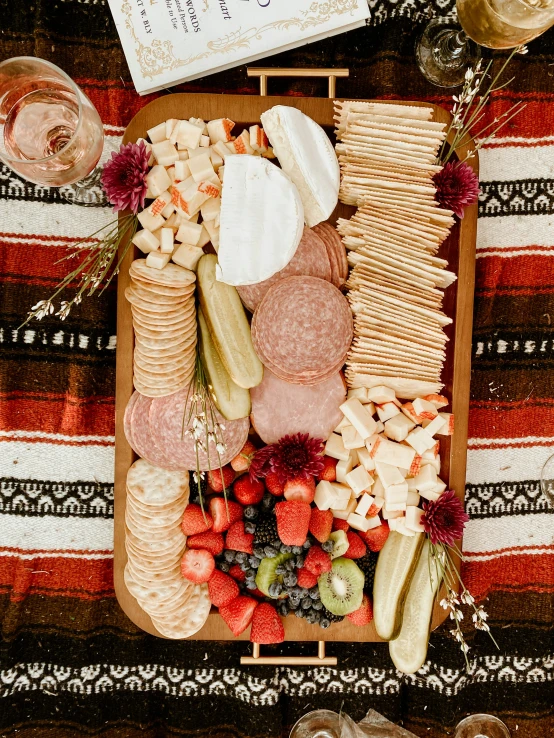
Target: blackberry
367 564
268 502
266 531
326 615
198 490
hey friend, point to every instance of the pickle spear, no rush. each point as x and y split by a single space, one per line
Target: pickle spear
228 325
409 650
395 566
232 401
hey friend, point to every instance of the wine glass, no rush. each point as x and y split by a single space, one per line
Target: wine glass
446 50
547 481
50 132
317 724
481 726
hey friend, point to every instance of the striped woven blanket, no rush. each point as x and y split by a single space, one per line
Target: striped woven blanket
71 664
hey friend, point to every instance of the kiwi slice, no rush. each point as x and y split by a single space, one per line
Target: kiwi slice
409 650
267 572
395 566
342 589
340 543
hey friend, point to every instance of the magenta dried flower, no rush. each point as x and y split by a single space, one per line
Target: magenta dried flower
124 177
444 519
457 187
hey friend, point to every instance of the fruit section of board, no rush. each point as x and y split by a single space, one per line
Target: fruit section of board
307 487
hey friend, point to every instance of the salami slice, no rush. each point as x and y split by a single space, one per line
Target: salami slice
169 418
311 259
303 326
335 249
331 254
127 426
140 430
280 408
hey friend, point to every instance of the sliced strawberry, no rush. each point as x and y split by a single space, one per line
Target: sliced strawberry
329 471
224 514
305 578
267 626
339 524
195 520
321 524
243 459
274 485
300 488
248 491
237 573
317 561
376 537
220 479
356 548
209 541
238 613
293 520
197 565
238 540
222 589
364 614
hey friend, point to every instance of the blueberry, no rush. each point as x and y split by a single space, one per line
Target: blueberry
259 552
275 589
314 593
324 623
276 543
289 579
290 564
317 605
297 591
317 616
296 550
270 552
306 603
283 608
230 556
250 512
307 544
251 584
240 557
280 570
224 567
268 501
294 603
299 613
311 617
249 574
254 561
285 549
249 527
299 562
328 546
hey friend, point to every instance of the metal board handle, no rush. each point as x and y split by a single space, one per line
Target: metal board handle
320 660
264 72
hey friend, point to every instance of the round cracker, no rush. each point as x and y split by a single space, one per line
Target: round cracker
191 618
155 486
154 299
171 275
150 302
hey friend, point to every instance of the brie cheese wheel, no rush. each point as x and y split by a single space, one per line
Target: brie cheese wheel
261 221
307 155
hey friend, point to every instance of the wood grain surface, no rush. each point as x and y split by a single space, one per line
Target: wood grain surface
458 249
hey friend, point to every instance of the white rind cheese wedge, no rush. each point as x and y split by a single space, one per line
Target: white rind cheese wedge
255 247
307 155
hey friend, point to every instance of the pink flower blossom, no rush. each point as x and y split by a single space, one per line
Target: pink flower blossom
444 519
457 186
124 177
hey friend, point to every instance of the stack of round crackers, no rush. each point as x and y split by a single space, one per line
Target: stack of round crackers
156 500
164 321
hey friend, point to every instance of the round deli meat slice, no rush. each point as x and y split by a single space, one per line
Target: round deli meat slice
127 426
331 253
170 418
140 436
303 326
280 408
311 259
335 246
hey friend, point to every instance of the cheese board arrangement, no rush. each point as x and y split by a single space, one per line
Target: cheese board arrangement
294 324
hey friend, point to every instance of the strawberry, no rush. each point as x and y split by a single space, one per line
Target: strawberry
274 485
243 459
300 488
222 588
209 541
339 524
238 613
364 614
237 573
293 520
376 537
248 491
195 521
197 565
329 471
305 578
220 479
356 548
257 593
267 626
321 523
317 561
238 540
224 514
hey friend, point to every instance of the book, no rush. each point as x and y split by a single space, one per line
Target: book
171 41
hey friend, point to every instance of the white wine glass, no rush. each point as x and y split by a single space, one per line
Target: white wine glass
317 724
50 132
481 726
446 49
547 481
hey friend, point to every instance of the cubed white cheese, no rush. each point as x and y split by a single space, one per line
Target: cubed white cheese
386 411
220 130
392 453
420 440
395 506
409 412
165 153
396 493
343 423
365 501
426 480
381 394
365 459
189 135
378 489
201 167
413 498
391 515
335 448
424 408
166 241
359 393
205 142
359 417
358 522
146 241
398 427
343 468
435 463
342 496
402 528
217 160
170 125
413 519
388 474
434 426
379 427
149 221
157 133
187 256
189 233
448 427
183 153
324 495
158 180
213 232
358 480
160 203
440 486
157 260
204 238
351 438
346 511
182 170
211 208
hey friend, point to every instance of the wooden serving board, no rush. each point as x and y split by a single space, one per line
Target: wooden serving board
458 249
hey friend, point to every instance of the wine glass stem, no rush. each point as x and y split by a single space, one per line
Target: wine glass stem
449 47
